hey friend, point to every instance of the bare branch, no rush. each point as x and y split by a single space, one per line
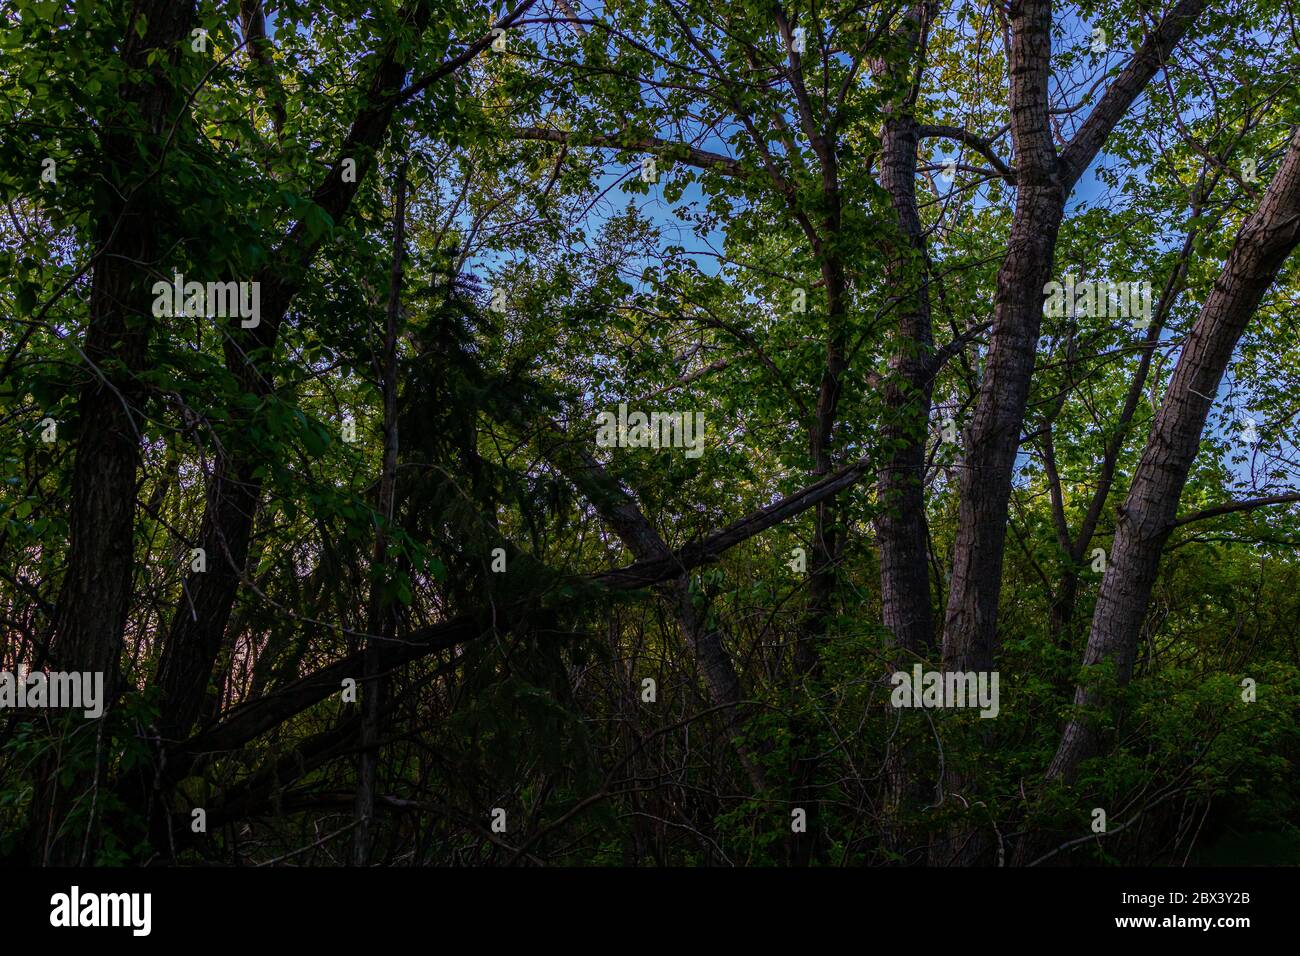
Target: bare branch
668 149
1231 507
982 146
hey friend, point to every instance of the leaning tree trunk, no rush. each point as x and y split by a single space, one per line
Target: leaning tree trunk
195 637
992 439
1147 516
617 509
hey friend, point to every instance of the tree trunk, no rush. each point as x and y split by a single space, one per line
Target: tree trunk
381 621
902 534
1044 181
992 440
1147 516
901 531
195 637
94 599
617 509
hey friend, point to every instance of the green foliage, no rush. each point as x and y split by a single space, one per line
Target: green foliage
545 281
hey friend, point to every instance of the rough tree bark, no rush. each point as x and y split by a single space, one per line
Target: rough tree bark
902 533
993 436
1148 514
1044 181
992 439
94 598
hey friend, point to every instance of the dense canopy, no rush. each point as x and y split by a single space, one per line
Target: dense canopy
649 432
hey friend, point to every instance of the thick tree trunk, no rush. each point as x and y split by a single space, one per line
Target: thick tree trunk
1043 184
901 531
1147 516
993 436
95 596
992 440
94 599
902 534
